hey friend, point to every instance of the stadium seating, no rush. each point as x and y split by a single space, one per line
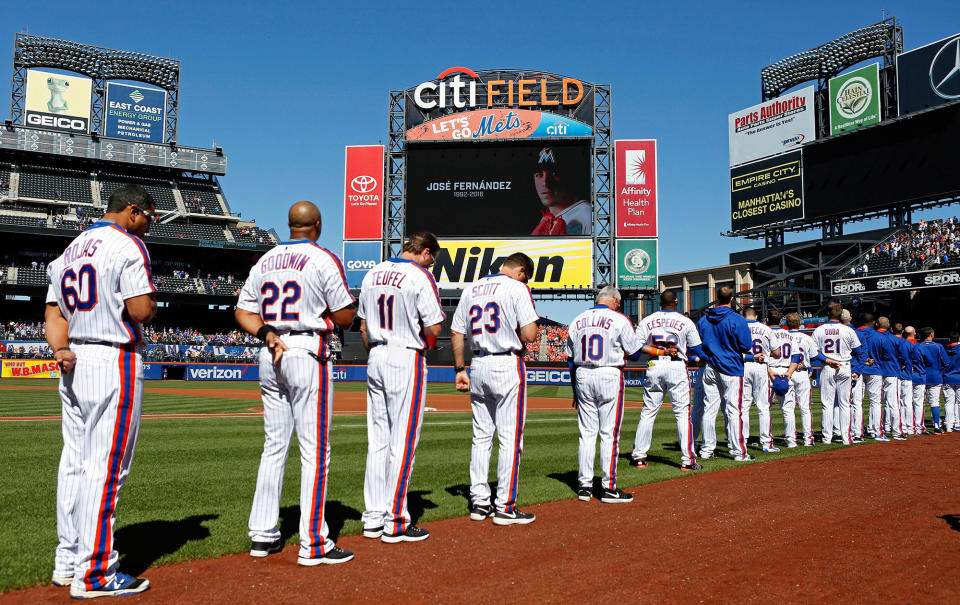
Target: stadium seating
200 196
24 221
180 230
252 234
55 183
4 180
926 245
168 283
31 277
160 189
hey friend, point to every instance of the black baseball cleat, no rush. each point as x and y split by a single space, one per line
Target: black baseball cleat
263 549
337 555
412 534
693 466
638 462
517 517
584 494
615 496
372 532
480 512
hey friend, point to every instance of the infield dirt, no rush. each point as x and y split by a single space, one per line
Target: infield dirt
876 523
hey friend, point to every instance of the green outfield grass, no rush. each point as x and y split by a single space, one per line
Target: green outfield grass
192 481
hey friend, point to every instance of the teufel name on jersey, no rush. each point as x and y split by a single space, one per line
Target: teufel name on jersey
389 278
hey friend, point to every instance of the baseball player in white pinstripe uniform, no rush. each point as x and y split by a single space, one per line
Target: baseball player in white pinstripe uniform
756 377
778 364
597 341
294 296
100 292
399 311
800 393
498 314
668 336
838 343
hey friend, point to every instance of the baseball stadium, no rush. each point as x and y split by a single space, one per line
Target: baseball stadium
855 129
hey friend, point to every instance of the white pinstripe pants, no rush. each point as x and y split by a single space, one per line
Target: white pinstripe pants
101 401
599 412
498 395
873 385
396 392
719 388
799 396
756 389
835 389
906 405
297 394
951 399
670 377
919 392
893 421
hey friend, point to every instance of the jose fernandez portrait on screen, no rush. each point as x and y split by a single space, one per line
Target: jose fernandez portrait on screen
563 212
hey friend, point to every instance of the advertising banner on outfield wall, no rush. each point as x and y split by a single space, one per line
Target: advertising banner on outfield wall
855 99
57 101
28 368
777 126
768 191
636 178
558 263
896 282
637 263
929 76
509 123
509 189
363 192
135 112
358 258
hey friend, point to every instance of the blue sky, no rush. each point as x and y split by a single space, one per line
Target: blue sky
284 87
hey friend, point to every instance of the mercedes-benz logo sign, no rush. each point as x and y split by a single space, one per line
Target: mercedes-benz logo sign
637 261
945 71
363 184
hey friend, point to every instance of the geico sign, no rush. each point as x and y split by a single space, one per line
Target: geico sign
941 279
523 92
215 374
894 283
361 265
849 287
551 376
61 122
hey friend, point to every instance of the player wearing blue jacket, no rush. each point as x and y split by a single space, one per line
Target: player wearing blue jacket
919 382
905 350
951 381
871 380
934 359
726 339
889 359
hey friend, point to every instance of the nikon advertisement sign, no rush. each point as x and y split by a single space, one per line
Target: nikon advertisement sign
58 102
558 263
766 192
855 99
896 283
637 263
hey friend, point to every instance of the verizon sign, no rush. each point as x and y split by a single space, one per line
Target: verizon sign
363 192
636 179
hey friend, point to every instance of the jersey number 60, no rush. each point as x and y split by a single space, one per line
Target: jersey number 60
74 285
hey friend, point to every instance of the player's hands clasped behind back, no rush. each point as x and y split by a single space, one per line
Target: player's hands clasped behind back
276 346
